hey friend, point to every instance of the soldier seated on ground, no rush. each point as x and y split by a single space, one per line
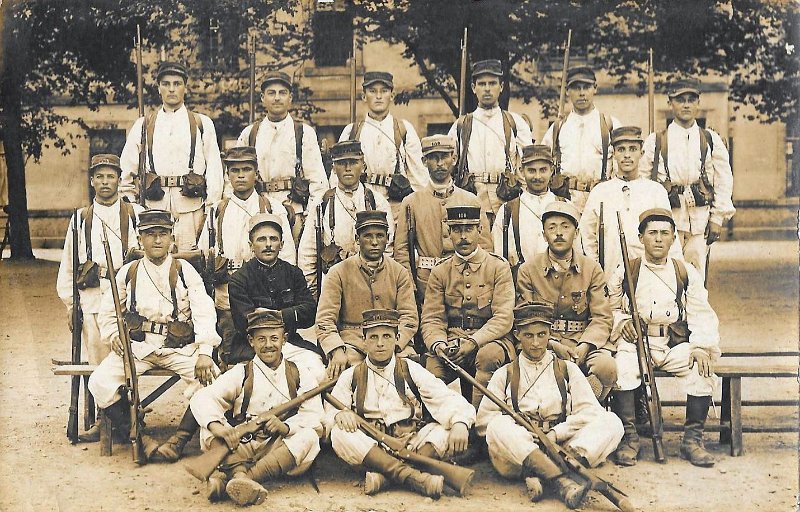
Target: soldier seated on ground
555 395
395 393
282 447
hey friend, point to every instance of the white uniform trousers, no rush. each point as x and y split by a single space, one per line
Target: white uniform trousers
674 360
695 250
106 380
487 194
94 346
510 444
303 445
187 227
353 447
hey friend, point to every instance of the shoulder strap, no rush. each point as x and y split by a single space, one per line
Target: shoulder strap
506 223
130 277
665 151
401 376
513 378
359 386
194 121
247 385
126 214
292 378
355 130
605 133
515 225
657 157
400 133
636 267
264 204
298 148
251 138
150 123
464 132
88 215
174 270
562 377
223 205
509 127
369 199
402 364
705 143
682 281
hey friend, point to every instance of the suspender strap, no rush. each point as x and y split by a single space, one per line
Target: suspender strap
298 148
560 371
223 205
515 225
513 377
705 140
247 385
173 283
661 152
355 131
130 277
359 385
251 139
292 378
194 124
464 132
605 132
87 230
509 125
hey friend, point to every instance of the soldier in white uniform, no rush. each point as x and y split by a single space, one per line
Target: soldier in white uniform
628 193
230 401
581 143
372 389
171 322
555 395
340 205
682 149
181 158
391 145
490 139
281 156
682 329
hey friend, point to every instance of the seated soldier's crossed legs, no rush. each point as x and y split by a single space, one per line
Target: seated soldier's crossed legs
303 445
353 447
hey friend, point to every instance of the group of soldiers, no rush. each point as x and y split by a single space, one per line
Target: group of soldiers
388 276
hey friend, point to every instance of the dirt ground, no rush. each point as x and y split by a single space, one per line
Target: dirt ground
754 290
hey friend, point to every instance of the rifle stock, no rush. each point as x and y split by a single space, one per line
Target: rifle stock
204 464
462 80
129 363
455 477
318 231
601 239
643 354
140 101
561 457
77 327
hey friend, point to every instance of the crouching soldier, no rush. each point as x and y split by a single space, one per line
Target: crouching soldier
392 392
172 326
250 389
554 394
681 327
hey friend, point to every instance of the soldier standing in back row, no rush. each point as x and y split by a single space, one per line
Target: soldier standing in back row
287 149
180 156
581 142
391 145
694 164
489 139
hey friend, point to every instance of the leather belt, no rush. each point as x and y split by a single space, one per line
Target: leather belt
278 185
569 325
487 177
171 181
582 186
154 327
545 425
466 322
379 179
234 265
428 262
658 330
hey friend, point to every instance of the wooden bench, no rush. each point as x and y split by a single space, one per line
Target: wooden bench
85 370
730 425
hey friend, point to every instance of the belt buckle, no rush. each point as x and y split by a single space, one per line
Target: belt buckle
246 438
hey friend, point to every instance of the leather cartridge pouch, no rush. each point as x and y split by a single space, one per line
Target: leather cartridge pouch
330 255
300 191
219 270
152 187
179 334
399 187
678 333
702 191
88 275
194 185
672 194
467 182
134 322
509 187
559 185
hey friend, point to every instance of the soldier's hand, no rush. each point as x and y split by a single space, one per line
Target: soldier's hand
347 421
466 348
713 231
551 435
561 351
703 360
226 433
628 331
116 345
579 353
440 348
458 439
337 362
274 425
204 370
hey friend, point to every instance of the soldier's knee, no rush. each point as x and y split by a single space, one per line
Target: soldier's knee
490 357
605 369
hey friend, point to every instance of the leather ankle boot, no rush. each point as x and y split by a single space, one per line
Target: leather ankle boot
692 447
624 406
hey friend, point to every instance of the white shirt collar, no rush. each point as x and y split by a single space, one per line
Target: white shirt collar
530 365
280 370
112 206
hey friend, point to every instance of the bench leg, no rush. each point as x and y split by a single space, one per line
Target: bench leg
88 406
105 434
725 412
737 447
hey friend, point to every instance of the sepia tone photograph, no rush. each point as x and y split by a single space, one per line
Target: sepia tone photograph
399 255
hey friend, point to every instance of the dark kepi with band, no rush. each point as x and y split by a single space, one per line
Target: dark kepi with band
276 77
241 154
367 218
487 67
376 77
626 134
263 318
583 74
464 214
171 68
154 218
533 312
105 159
536 152
655 214
347 149
563 209
376 317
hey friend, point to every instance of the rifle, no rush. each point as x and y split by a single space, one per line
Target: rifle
131 385
562 95
643 353
353 84
252 41
318 232
419 344
77 326
456 477
559 455
462 82
601 240
651 112
557 181
204 464
140 101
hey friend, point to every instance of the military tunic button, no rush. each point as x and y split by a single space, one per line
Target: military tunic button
466 273
469 297
469 285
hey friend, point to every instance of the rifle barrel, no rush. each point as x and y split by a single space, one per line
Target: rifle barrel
562 95
139 79
462 83
252 41
651 113
353 82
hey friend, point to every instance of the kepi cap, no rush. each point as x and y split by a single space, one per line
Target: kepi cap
533 312
241 154
376 317
347 149
683 86
264 318
105 159
264 218
154 218
655 214
374 77
468 214
536 152
367 218
171 68
487 67
562 208
438 144
583 74
276 76
626 134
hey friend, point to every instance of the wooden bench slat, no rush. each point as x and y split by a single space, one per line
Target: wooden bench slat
87 369
747 370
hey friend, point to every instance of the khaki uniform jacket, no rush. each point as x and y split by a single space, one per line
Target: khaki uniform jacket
577 294
480 288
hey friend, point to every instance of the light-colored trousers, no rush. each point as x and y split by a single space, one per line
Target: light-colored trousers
353 447
674 360
695 250
95 348
303 445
